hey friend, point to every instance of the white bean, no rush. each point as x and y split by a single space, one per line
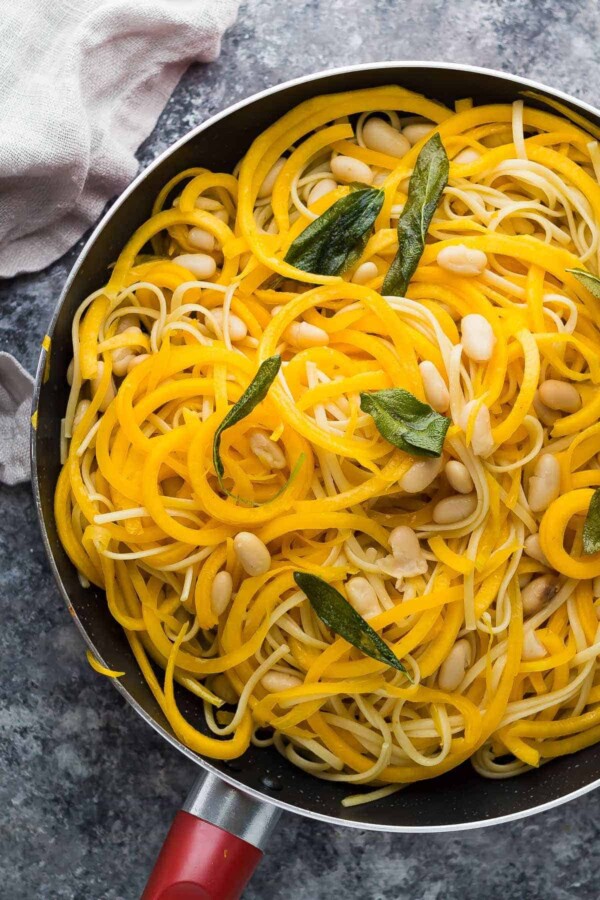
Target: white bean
109 394
417 131
436 391
406 551
126 322
533 549
80 411
544 484
362 596
201 265
560 395
252 553
379 135
70 372
222 215
274 682
366 272
237 327
348 169
420 475
482 441
123 355
454 508
220 592
458 477
468 155
532 648
207 203
266 187
478 337
201 239
305 335
462 260
267 451
320 189
546 415
452 670
537 593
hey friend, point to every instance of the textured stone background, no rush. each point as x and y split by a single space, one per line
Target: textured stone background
86 789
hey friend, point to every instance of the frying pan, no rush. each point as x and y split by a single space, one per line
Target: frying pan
217 840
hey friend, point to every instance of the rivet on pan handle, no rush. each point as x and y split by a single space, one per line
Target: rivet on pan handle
213 845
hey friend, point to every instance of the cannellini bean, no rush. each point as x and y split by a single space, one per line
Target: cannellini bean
222 215
362 596
201 265
252 553
532 648
462 260
533 549
417 131
478 338
126 322
454 508
320 189
80 411
537 593
420 475
348 169
220 592
381 136
366 272
266 187
267 451
482 441
546 415
70 372
458 477
544 484
201 239
305 335
560 395
407 553
452 670
140 358
468 155
379 178
109 395
237 327
123 356
273 682
436 391
207 203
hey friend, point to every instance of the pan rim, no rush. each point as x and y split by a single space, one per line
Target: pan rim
229 111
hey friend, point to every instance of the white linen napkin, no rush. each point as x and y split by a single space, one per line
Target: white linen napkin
83 82
16 389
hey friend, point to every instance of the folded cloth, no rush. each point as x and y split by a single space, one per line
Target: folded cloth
16 389
83 82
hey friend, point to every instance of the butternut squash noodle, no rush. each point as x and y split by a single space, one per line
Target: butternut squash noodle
470 565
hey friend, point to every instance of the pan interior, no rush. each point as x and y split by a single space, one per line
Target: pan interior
459 799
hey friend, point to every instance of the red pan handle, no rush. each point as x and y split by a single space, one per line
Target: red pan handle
213 845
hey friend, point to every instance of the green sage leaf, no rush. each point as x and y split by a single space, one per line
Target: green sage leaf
255 392
335 611
591 529
589 281
334 241
428 180
405 422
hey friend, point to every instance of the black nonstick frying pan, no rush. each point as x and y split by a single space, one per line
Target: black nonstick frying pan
216 842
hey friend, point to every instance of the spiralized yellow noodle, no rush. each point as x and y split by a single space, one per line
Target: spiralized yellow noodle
161 353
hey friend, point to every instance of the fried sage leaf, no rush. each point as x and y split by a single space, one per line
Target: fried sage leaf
589 281
591 529
406 422
255 392
428 180
334 241
335 611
